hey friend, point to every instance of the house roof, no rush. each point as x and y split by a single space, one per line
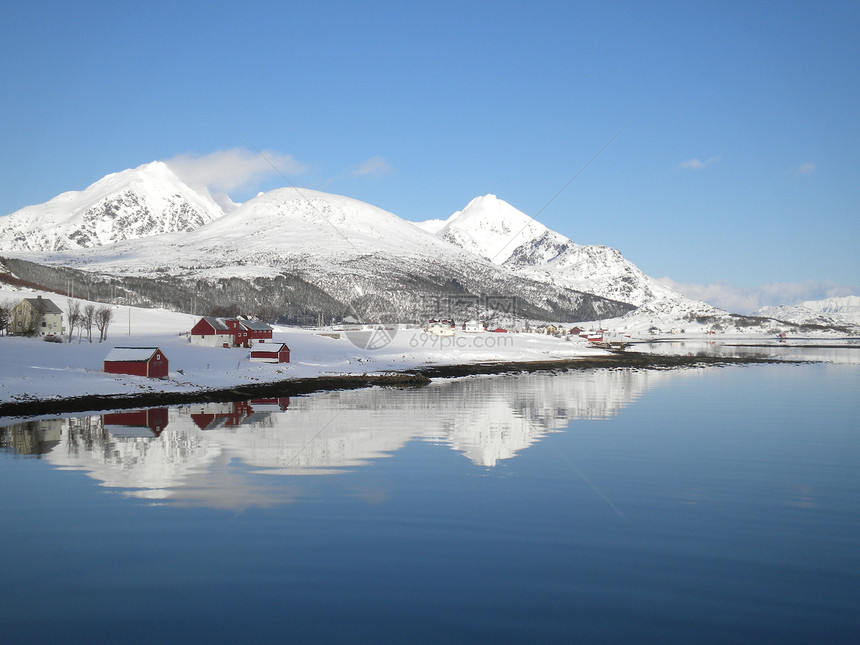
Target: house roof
48 306
131 354
256 325
220 324
270 347
217 324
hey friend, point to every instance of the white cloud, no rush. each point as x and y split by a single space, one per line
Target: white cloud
746 300
373 167
697 164
804 169
234 169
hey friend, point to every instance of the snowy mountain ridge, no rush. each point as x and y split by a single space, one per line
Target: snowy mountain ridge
145 222
335 254
135 203
495 230
830 311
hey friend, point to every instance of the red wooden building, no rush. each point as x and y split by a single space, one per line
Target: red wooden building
229 332
138 361
271 353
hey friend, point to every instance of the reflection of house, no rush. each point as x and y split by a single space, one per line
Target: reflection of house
36 317
280 403
209 416
215 415
137 423
271 353
137 361
32 437
229 332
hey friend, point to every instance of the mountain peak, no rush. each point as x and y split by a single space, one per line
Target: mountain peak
133 203
490 227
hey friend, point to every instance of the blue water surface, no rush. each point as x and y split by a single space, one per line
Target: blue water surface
695 505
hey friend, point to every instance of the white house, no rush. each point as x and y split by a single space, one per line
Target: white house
473 326
439 329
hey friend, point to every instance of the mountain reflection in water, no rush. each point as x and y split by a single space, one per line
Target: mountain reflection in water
191 453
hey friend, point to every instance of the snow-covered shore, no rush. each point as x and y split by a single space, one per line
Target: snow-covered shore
32 369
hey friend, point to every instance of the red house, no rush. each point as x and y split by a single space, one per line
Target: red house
229 332
138 361
271 353
255 329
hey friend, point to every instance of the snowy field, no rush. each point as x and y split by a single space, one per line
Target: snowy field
32 368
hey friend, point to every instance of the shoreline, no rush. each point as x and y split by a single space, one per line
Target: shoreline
415 377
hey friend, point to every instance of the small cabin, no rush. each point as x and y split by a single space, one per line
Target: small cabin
137 361
270 353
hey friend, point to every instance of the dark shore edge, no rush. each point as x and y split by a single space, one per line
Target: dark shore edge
415 377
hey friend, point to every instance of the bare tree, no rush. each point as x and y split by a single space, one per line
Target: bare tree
73 314
87 319
6 308
103 317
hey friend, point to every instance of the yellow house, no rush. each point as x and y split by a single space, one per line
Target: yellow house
36 317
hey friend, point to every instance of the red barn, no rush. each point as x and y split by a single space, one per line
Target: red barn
137 361
255 329
213 332
271 353
229 332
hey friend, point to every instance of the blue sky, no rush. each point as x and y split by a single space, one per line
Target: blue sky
734 173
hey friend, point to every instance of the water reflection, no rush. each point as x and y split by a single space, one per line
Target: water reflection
191 451
836 351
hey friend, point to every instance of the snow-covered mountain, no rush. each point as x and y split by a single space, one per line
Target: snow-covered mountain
363 257
495 230
330 252
135 203
830 311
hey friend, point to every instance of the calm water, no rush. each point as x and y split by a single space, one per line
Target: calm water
699 505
